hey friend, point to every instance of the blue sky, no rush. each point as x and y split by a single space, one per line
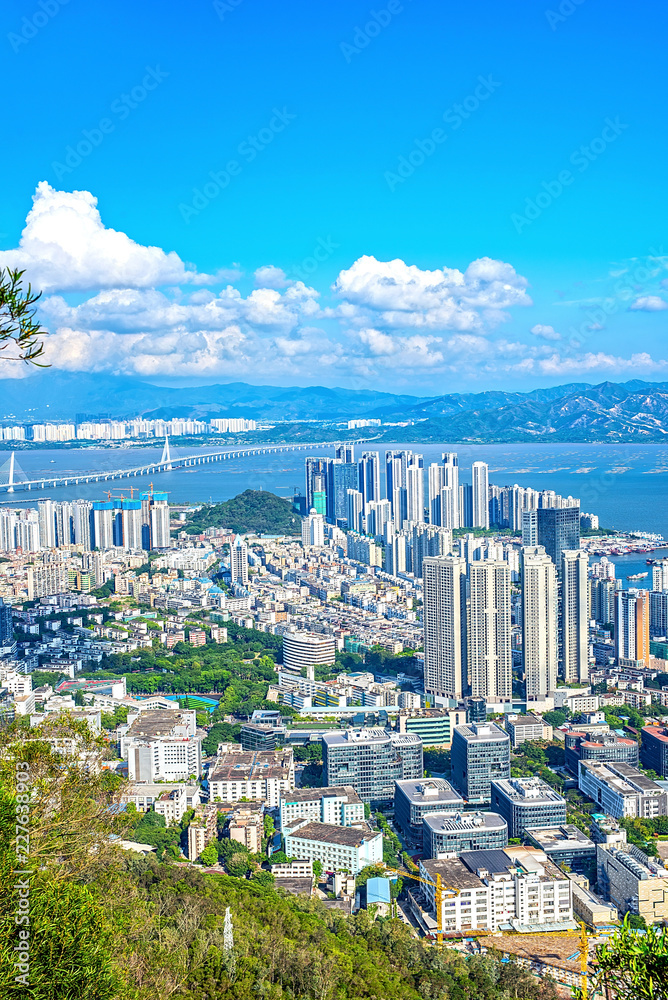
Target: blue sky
289 153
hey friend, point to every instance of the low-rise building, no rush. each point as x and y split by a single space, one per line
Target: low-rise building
655 749
522 728
434 726
338 848
340 806
163 746
527 802
606 746
202 830
262 775
622 790
246 826
448 835
413 800
567 846
633 882
145 796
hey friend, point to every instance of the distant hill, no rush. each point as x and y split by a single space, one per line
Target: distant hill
252 511
613 412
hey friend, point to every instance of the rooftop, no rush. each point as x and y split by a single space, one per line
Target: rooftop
658 732
554 838
252 764
464 821
454 874
527 789
313 794
625 779
429 790
481 732
525 720
327 833
159 724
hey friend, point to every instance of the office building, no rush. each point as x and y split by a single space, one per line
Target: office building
480 494
343 476
434 726
539 623
313 530
634 882
306 651
256 736
371 760
513 886
621 790
522 728
338 848
558 530
444 618
654 752
605 746
340 806
261 776
413 800
489 652
527 802
480 754
239 562
448 835
567 846
574 614
163 745
632 609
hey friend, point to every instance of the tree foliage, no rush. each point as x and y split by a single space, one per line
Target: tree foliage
20 333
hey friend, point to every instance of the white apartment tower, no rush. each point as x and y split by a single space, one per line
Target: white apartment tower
574 639
489 653
239 562
313 530
444 618
414 492
480 486
539 623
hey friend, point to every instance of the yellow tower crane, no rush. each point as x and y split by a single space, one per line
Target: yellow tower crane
439 890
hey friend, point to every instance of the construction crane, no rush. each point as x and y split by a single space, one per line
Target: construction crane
439 890
584 957
133 490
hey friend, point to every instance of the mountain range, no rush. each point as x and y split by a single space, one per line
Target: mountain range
609 412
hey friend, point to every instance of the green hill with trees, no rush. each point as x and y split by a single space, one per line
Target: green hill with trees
252 511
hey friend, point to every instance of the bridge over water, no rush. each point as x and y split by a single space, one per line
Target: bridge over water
166 464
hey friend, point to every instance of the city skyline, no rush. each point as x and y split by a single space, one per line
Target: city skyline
475 228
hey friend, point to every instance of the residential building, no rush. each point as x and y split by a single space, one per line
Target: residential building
480 754
539 623
489 652
306 651
246 826
654 750
258 775
606 746
338 848
622 790
450 834
339 806
163 746
371 760
413 800
239 562
480 494
574 614
634 882
444 619
527 802
313 527
632 608
522 728
202 829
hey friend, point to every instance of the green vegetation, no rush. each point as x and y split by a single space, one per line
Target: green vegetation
18 329
391 843
633 966
538 757
111 925
220 732
252 511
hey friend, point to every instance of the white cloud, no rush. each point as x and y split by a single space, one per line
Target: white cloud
271 277
393 294
649 303
545 332
65 246
606 364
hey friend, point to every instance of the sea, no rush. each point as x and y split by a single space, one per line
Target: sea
625 484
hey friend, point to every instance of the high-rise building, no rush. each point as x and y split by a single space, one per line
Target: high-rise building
480 754
378 515
103 524
313 529
131 524
317 476
239 562
345 453
6 626
530 527
602 601
574 615
436 484
415 490
369 476
632 610
527 802
354 508
660 575
444 618
558 530
343 476
47 524
489 652
465 505
480 494
160 537
371 760
539 623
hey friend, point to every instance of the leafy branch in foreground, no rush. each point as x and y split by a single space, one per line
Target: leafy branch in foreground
18 326
633 966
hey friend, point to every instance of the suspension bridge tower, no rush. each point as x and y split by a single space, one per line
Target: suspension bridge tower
166 459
